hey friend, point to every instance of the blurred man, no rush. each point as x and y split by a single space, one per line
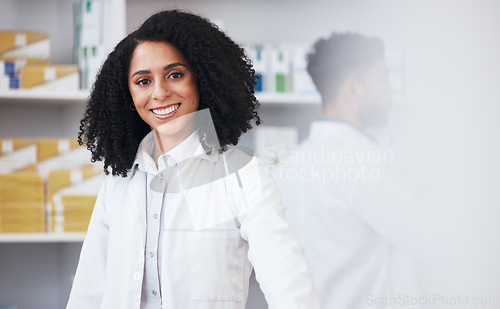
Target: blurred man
356 220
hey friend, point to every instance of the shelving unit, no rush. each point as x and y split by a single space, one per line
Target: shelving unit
37 269
287 98
42 238
43 97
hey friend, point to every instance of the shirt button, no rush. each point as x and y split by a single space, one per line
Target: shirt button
155 293
155 216
161 180
137 276
151 254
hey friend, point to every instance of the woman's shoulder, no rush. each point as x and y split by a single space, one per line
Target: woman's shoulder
115 182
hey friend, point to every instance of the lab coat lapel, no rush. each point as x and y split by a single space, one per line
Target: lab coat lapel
137 199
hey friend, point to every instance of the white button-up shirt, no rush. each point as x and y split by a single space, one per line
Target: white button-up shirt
219 220
156 199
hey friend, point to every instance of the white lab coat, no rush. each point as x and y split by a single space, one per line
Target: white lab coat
358 223
213 239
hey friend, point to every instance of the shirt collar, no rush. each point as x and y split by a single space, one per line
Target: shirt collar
144 157
189 148
186 149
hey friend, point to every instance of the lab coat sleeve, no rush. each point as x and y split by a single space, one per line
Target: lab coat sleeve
275 251
89 282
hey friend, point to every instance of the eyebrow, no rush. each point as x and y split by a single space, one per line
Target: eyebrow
168 67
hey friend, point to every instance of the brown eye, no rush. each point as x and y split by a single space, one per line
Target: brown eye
143 82
176 75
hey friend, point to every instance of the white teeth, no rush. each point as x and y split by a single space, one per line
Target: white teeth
166 110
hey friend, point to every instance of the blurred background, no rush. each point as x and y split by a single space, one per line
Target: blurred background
444 64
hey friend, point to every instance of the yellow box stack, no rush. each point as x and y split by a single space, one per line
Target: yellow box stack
17 154
24 44
71 198
22 203
19 49
25 64
22 192
74 213
32 172
50 77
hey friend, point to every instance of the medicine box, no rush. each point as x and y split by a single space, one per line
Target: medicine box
50 77
22 44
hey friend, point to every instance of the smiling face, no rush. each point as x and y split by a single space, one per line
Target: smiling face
163 88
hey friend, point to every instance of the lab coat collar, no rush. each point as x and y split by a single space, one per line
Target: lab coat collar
189 148
144 156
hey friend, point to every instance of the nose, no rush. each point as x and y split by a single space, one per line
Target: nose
161 90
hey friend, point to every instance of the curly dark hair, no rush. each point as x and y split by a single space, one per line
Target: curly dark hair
224 74
333 59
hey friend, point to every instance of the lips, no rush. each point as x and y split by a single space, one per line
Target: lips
166 111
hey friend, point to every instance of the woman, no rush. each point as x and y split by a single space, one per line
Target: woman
183 218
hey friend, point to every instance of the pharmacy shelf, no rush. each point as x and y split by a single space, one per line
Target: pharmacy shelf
310 99
42 238
43 97
287 98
